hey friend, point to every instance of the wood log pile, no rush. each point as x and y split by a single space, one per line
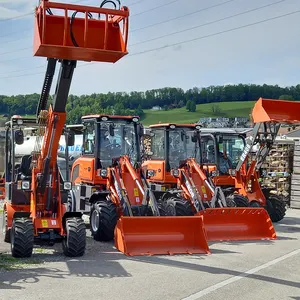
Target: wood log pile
295 181
278 168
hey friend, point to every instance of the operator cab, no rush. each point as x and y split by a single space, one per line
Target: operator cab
222 148
17 166
167 147
20 139
105 139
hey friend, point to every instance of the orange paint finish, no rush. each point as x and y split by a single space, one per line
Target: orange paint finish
160 176
279 111
11 209
237 224
103 40
161 235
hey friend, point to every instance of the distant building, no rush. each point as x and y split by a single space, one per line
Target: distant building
156 108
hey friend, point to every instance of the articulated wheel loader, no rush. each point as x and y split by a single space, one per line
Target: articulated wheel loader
34 208
230 153
109 185
183 186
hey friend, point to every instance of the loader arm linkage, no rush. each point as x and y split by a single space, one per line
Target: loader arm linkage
197 187
100 35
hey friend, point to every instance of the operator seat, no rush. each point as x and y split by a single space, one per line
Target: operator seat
25 170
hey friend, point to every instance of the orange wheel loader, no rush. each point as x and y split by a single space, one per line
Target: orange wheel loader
230 153
184 187
33 205
109 185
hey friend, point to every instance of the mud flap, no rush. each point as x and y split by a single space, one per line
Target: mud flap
237 224
161 235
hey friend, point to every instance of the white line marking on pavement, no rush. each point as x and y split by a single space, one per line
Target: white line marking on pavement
241 276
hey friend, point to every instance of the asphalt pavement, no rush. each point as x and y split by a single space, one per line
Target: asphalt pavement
235 270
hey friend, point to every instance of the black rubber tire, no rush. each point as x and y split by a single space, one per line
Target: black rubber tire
254 204
22 237
108 217
6 231
230 201
70 203
240 200
276 208
178 207
74 242
162 208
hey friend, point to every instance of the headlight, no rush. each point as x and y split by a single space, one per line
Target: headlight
172 126
103 173
150 173
175 173
104 118
214 173
67 185
25 185
135 120
232 172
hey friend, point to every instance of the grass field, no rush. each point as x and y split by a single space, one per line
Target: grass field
181 115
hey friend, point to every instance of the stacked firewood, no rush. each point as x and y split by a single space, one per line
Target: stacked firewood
277 169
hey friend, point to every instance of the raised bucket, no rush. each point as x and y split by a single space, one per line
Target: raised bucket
280 111
75 32
237 224
161 235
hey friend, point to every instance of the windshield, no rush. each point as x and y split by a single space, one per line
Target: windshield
232 147
229 149
117 139
181 146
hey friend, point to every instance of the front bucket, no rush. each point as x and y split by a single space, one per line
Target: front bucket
161 235
281 111
238 223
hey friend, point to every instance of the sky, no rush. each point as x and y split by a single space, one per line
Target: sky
187 43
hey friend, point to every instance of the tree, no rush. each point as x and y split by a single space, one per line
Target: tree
188 105
193 106
139 111
286 97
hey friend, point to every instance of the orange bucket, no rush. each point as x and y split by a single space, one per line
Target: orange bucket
161 235
237 224
271 110
58 35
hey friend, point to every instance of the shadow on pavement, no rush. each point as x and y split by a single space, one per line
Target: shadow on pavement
213 270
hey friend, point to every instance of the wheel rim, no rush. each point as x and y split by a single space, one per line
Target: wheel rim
12 237
171 211
95 220
4 222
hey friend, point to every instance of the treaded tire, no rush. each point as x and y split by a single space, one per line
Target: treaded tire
178 207
74 242
276 208
230 201
240 200
6 231
22 237
103 229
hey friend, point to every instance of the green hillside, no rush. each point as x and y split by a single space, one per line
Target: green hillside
181 115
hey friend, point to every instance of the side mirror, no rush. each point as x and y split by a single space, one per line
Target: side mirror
111 130
182 135
194 137
71 138
140 130
19 137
